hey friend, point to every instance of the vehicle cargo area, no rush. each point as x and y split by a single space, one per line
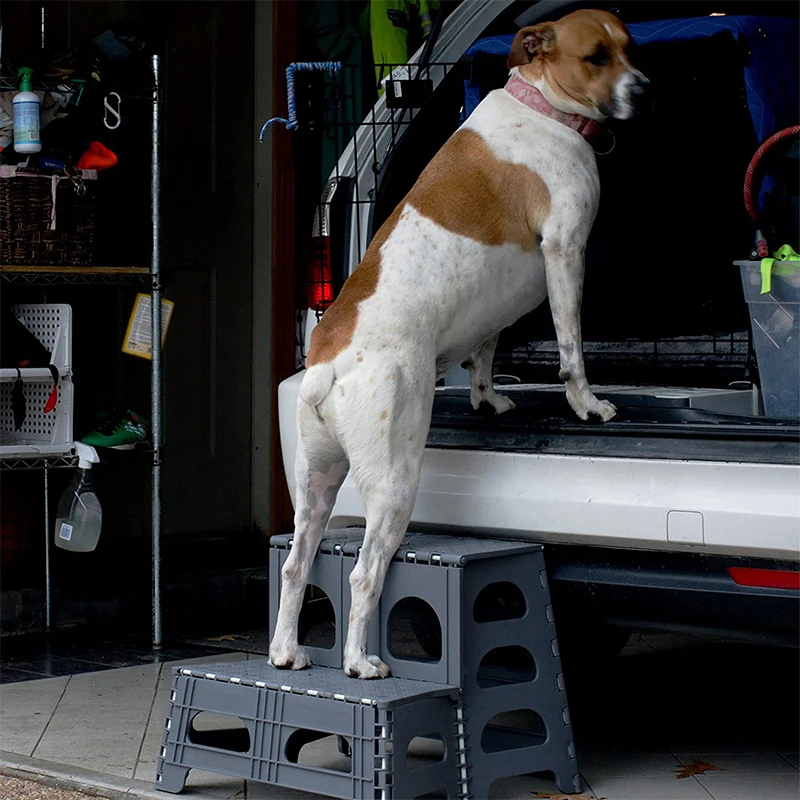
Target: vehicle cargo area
671 323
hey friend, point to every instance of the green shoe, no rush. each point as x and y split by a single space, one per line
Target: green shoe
119 431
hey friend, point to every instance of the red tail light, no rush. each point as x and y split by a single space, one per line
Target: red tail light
320 274
766 578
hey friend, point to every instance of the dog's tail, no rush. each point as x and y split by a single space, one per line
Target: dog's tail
317 383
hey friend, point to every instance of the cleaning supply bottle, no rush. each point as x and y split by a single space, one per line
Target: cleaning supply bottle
27 115
80 516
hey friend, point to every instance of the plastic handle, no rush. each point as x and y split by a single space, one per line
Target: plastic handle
87 455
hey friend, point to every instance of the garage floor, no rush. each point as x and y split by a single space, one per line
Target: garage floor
666 702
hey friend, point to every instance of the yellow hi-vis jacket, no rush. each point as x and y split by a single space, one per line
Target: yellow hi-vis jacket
398 28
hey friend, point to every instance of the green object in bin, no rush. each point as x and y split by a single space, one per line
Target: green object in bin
785 262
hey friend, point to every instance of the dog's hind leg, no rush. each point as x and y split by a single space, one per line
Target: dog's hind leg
320 469
482 390
386 448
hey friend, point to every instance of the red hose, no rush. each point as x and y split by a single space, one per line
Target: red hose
761 243
756 160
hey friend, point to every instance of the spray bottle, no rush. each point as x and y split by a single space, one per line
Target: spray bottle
80 516
27 115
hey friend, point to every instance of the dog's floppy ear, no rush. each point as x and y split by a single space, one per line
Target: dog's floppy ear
531 41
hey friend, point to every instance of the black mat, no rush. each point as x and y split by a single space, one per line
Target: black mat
35 656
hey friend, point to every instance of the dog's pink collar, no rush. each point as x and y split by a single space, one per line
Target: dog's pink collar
528 94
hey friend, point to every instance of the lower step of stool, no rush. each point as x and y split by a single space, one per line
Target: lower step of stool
279 712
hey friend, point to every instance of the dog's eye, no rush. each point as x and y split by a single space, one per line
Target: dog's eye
599 58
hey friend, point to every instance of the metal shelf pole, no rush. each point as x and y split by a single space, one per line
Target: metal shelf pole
155 378
48 598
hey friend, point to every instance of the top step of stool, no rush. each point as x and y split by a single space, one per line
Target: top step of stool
322 682
444 575
421 548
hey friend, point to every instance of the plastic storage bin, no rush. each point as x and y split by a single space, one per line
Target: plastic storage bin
775 320
40 434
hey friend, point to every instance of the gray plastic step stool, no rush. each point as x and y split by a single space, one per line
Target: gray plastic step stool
498 643
282 711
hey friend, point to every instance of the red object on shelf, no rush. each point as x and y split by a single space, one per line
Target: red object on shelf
98 157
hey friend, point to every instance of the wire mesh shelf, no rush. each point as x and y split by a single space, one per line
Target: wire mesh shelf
80 276
38 462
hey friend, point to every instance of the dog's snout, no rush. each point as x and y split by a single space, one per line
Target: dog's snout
632 95
641 94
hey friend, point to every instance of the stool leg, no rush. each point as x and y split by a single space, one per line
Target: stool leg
568 783
171 778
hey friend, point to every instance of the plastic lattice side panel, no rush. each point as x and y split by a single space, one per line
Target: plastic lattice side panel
273 715
51 324
48 433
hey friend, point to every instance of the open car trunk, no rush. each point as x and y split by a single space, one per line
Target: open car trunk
663 302
666 329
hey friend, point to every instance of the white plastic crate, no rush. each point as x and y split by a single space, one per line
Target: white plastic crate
51 324
40 434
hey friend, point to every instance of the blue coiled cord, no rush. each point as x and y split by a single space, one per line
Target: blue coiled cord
302 66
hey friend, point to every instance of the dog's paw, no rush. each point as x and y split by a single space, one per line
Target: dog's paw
366 668
585 403
490 402
501 403
289 658
604 410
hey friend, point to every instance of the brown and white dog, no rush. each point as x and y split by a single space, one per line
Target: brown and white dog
497 222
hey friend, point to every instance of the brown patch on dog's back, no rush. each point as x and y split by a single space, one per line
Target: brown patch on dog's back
335 330
469 191
466 190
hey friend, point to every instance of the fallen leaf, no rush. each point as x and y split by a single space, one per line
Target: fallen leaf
228 637
696 767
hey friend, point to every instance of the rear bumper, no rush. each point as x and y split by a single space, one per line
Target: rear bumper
739 509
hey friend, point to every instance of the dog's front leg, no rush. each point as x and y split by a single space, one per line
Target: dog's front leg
482 390
565 268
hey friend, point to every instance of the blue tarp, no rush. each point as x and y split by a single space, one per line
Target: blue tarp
772 78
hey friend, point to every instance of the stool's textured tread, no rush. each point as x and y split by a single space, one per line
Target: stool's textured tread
324 681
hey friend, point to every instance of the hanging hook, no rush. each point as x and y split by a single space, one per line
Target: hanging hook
302 66
115 112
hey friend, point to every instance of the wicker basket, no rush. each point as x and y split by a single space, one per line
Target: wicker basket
30 233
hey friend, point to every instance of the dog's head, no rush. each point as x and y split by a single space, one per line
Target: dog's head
584 60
